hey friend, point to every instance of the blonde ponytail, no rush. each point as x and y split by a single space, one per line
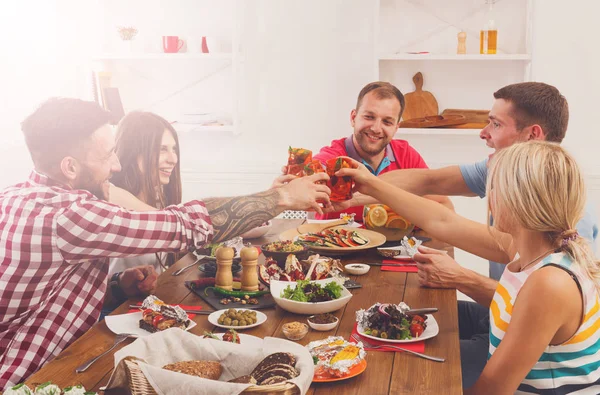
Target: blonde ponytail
579 249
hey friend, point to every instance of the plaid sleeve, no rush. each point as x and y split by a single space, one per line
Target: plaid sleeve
90 229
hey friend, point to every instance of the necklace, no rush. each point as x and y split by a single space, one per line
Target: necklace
537 258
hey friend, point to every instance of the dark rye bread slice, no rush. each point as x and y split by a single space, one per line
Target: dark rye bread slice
273 380
279 369
284 358
247 379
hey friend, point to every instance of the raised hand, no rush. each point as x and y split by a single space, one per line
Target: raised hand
361 175
437 269
282 180
305 194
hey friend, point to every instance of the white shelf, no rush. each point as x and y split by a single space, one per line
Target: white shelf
161 56
194 128
522 57
433 131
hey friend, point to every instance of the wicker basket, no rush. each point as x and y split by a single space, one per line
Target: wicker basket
139 385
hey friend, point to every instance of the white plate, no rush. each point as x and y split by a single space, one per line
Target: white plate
431 331
213 318
130 323
324 221
308 307
246 340
403 256
257 232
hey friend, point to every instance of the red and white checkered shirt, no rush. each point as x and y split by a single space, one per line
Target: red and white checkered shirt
54 248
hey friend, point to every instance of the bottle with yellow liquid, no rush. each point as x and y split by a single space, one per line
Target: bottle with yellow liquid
488 37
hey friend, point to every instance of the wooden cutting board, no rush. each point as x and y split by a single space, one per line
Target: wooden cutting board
471 116
420 103
434 121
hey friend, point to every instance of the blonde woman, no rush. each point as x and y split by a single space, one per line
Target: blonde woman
545 313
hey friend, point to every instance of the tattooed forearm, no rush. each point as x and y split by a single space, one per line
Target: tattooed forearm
233 216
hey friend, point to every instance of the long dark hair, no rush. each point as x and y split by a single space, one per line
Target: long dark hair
139 136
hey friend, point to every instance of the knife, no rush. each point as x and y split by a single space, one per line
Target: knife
426 310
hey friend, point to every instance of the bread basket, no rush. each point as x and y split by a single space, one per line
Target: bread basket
139 385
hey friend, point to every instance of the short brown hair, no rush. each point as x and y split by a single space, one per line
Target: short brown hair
59 127
538 103
382 90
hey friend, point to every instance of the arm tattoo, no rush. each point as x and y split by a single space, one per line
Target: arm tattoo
233 216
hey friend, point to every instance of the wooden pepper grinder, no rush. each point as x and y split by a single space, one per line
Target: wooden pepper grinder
224 276
249 257
462 43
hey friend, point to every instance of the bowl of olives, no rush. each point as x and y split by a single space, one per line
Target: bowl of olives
237 318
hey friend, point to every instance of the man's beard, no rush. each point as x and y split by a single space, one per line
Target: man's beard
364 144
88 183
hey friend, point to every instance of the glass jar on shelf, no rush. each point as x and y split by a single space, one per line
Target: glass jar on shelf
488 37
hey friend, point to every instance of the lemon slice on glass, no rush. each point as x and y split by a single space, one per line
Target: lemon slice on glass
378 216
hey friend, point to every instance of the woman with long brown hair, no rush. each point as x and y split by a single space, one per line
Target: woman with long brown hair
148 149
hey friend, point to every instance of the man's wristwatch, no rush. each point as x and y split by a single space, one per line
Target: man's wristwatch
115 287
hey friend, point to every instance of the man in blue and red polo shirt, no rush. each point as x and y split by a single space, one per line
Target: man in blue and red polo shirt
375 121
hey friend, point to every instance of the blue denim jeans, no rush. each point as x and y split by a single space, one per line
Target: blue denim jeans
474 334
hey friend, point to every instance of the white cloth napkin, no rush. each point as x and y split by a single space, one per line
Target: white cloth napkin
174 345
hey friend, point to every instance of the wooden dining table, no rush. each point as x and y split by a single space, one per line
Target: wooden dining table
386 372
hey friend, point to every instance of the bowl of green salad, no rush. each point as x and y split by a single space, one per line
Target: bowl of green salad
310 297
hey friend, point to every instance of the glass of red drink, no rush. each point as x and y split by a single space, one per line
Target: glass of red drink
341 187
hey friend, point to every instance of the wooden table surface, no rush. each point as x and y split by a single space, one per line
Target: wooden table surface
386 373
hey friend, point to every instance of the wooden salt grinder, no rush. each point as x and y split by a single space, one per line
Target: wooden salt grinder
224 277
249 257
462 43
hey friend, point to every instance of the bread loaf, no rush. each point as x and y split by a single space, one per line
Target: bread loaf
205 369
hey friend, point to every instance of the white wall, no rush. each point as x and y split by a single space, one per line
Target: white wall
304 63
565 57
44 47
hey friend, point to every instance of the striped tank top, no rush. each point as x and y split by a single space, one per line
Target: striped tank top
571 367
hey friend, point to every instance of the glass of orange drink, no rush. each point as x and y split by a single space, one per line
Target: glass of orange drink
383 219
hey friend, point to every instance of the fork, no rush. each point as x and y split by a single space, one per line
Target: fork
418 354
178 272
121 337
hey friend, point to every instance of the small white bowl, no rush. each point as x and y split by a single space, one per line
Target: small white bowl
357 269
323 327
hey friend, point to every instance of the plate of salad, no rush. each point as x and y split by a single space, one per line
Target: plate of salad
390 323
310 297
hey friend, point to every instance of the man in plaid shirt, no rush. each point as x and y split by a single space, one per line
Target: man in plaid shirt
58 232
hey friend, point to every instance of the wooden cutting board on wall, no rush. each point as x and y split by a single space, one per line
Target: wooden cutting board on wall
475 116
475 119
420 103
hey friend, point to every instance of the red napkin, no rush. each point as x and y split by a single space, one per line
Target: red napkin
416 346
403 269
393 262
399 266
183 306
